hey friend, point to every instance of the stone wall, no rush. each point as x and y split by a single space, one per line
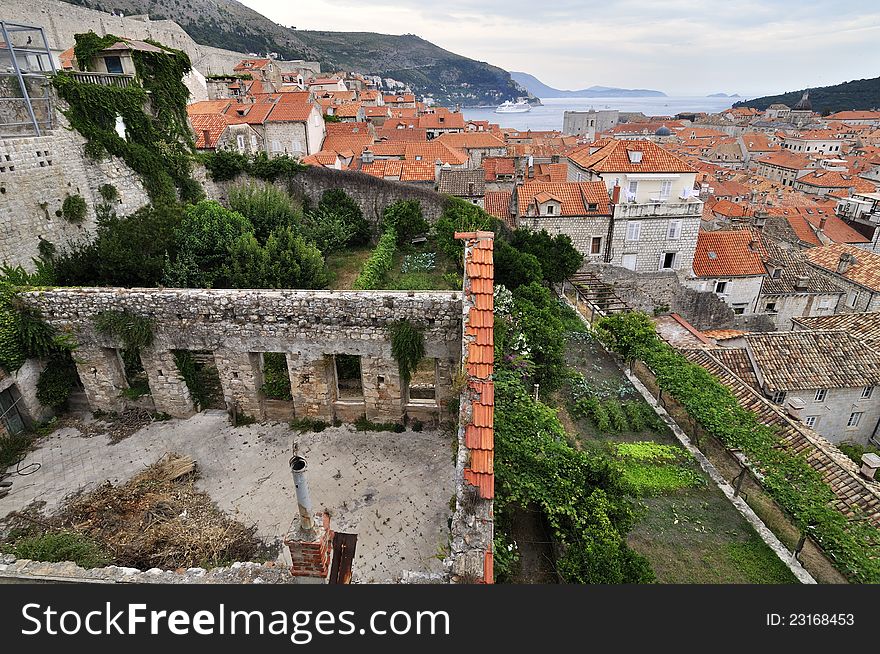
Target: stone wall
310 327
371 193
37 174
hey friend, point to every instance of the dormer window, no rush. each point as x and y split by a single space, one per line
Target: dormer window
635 156
550 209
592 206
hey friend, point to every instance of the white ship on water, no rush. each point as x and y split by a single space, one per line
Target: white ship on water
508 107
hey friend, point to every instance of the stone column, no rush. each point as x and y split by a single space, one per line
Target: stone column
102 375
310 385
170 392
383 393
240 377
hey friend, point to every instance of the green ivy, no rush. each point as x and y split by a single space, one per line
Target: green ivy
407 348
224 165
56 382
377 267
787 476
135 332
159 146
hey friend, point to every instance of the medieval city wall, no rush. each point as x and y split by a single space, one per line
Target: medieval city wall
237 326
61 21
37 174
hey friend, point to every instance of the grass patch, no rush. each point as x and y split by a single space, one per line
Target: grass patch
652 479
303 425
345 265
758 563
362 424
56 547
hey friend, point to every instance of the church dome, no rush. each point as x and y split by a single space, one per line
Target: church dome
663 130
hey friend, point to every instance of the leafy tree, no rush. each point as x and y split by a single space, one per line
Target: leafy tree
459 216
328 229
340 203
266 206
557 255
513 268
203 238
292 262
405 216
536 315
628 334
286 261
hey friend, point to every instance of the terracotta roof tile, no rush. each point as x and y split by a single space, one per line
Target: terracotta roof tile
615 158
575 198
864 271
732 253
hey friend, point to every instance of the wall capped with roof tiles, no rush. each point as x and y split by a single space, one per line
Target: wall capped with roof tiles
472 523
237 325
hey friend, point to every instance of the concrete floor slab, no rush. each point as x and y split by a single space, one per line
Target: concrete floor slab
393 490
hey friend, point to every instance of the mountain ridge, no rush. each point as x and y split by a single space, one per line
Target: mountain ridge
861 94
428 69
538 88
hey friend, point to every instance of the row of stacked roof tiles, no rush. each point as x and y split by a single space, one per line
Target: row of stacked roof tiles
479 336
855 495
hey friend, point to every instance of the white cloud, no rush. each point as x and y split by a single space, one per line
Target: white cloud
678 46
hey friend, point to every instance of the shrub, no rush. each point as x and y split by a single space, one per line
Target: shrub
615 414
405 217
224 165
376 268
74 209
514 268
56 382
56 547
266 206
340 203
133 331
303 425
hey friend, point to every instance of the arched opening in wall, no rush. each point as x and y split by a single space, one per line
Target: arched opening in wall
199 372
275 389
349 387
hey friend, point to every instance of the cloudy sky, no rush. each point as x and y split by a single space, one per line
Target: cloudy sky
682 47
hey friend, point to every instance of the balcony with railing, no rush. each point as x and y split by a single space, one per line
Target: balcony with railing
120 80
677 209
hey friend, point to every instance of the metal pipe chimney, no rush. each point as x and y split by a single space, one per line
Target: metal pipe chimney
303 500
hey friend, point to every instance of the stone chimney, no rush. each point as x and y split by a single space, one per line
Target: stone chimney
206 135
367 156
802 283
822 222
845 262
870 465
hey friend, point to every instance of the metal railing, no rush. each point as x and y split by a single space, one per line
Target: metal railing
120 80
27 60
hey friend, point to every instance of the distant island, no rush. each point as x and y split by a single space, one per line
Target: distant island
536 87
724 95
860 94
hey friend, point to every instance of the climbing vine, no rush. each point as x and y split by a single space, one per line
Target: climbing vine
407 348
135 332
158 143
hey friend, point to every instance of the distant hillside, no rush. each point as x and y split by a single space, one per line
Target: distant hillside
427 68
857 94
538 88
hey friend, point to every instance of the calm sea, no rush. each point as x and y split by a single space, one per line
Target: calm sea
549 116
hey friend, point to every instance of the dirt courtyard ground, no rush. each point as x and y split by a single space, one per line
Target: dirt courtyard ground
393 490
